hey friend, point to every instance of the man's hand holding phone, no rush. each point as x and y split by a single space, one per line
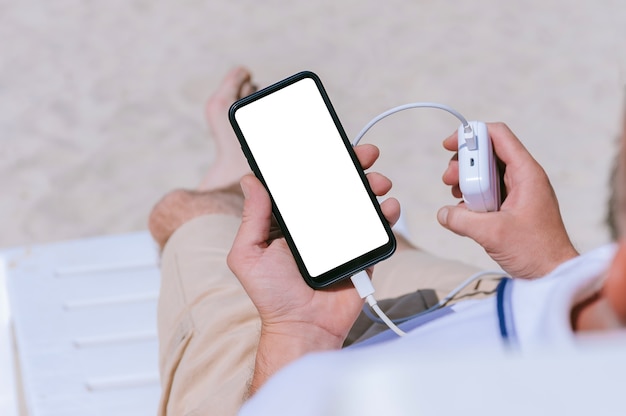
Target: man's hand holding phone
321 199
295 319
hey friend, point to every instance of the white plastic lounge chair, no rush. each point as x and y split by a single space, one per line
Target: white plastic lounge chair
81 323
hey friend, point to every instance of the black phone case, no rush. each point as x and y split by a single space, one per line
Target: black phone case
349 268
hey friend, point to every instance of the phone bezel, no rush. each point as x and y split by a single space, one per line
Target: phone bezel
353 266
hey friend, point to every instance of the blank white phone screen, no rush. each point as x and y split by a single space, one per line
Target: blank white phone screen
311 176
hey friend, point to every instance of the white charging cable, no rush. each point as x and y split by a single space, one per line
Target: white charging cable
496 275
470 137
363 285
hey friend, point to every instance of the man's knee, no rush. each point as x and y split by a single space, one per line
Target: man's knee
180 206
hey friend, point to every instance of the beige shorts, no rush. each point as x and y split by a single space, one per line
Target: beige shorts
209 328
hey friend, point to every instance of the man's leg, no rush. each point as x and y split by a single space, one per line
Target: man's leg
208 327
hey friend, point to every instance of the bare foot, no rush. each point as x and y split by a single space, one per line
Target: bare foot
230 164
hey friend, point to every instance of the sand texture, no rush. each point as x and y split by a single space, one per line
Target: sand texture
101 102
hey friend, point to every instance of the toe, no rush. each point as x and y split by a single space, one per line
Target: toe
247 89
229 90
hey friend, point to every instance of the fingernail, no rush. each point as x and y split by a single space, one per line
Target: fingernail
244 188
442 216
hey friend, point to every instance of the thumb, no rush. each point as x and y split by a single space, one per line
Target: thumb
257 214
462 221
615 284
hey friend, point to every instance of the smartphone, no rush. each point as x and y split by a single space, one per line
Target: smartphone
321 199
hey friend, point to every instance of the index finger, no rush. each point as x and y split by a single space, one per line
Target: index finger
452 142
507 146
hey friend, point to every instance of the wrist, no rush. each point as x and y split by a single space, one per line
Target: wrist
300 337
281 344
566 253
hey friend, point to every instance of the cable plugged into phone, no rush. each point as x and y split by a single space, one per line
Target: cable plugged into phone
364 287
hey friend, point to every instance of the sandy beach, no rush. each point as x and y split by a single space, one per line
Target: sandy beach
101 103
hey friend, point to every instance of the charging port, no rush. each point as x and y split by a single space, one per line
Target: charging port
472 161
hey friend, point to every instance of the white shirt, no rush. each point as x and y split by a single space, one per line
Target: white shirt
458 355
